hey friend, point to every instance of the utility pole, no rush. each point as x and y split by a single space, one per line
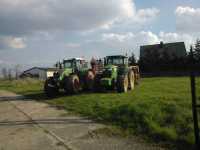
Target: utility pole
194 103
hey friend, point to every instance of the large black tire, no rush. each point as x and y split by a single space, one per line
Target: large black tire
66 85
122 84
74 84
50 87
113 86
131 80
97 84
89 80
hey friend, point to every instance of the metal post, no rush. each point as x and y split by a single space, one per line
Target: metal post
194 104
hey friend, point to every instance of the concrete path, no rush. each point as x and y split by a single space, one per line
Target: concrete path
31 125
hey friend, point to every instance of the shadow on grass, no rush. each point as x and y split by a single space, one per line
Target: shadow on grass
41 96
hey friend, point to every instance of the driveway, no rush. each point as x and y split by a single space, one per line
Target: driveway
26 124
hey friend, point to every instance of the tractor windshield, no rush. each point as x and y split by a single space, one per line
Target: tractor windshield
67 64
116 61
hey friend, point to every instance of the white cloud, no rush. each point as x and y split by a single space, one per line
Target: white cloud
22 16
132 41
117 37
72 45
12 42
144 15
143 37
181 10
187 19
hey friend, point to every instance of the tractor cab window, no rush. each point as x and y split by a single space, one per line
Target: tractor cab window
126 61
78 64
117 61
85 65
67 64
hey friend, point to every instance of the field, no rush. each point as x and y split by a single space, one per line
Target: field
159 108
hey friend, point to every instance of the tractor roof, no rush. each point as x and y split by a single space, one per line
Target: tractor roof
116 56
73 59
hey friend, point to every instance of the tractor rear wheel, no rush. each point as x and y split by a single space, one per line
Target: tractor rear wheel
131 80
122 84
90 77
74 84
97 84
50 87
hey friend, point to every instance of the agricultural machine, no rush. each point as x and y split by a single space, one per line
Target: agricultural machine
117 74
73 76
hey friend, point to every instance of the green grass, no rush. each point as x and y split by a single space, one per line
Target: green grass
159 108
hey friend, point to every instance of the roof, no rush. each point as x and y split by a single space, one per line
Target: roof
176 48
116 56
40 68
74 59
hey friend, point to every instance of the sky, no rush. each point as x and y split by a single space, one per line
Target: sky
39 33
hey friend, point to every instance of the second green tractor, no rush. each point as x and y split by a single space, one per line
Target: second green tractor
117 74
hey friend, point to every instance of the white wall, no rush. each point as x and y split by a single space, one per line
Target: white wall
42 75
50 73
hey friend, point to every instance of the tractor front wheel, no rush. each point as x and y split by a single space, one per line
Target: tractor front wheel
122 84
50 87
74 84
131 80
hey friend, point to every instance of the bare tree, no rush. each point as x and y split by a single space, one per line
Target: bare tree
17 71
4 73
197 50
10 74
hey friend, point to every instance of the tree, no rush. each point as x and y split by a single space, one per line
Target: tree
17 71
10 74
197 50
132 59
4 73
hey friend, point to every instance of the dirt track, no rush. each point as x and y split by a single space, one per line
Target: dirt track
31 125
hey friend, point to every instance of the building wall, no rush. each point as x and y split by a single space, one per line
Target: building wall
42 75
49 73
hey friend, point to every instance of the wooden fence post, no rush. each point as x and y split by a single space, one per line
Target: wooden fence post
194 103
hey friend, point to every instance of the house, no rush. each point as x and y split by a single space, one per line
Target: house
38 72
176 49
163 58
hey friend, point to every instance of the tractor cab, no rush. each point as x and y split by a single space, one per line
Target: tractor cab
73 66
115 64
117 60
75 63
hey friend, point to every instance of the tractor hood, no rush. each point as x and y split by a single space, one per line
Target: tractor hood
110 67
65 73
109 71
106 82
109 75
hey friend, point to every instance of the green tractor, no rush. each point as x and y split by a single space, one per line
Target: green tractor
73 76
117 74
